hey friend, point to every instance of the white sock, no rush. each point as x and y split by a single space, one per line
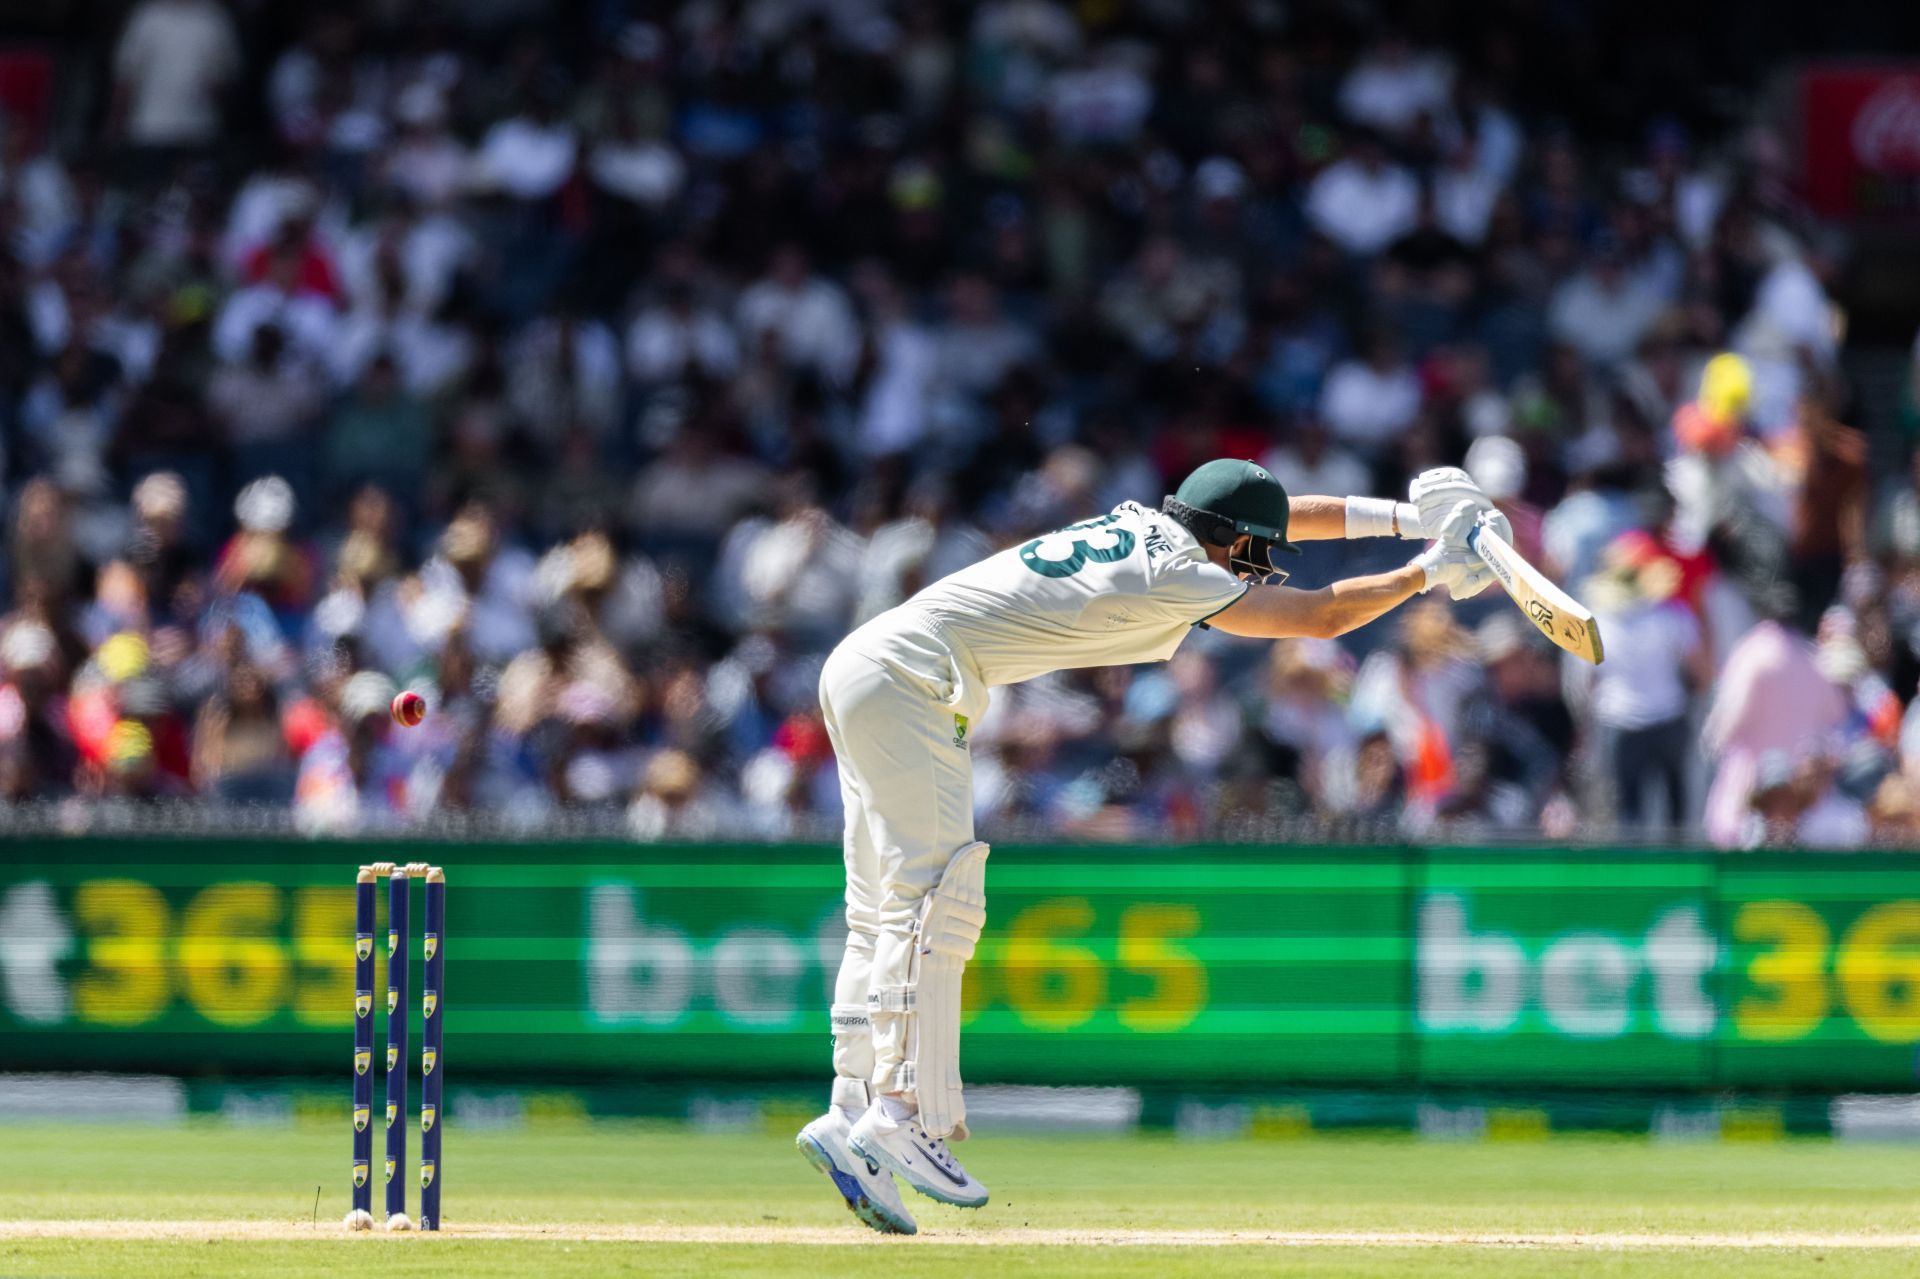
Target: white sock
898 1109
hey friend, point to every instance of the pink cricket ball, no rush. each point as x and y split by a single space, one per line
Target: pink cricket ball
409 708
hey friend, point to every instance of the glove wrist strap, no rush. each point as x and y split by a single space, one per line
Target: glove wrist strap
1428 562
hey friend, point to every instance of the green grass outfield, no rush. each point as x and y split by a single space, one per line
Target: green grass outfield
633 1199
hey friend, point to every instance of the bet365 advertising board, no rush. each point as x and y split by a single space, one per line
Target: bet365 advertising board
1153 966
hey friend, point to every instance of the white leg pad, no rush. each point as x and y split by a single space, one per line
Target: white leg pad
914 1004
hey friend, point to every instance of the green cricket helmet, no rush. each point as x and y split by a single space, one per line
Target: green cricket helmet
1227 499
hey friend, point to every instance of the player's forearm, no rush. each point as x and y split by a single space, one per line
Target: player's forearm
1316 519
1280 612
1351 604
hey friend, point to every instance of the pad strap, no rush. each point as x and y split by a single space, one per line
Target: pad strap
891 999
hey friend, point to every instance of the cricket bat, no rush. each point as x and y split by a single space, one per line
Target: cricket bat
1560 617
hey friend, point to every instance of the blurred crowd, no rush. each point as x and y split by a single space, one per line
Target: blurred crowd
594 369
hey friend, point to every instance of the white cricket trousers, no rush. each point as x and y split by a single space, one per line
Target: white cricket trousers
899 707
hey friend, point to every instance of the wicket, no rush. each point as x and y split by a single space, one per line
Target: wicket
399 882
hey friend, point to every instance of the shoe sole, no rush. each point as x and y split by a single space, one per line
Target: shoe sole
879 1156
859 1203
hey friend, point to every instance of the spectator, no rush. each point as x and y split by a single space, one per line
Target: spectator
1414 693
353 778
695 491
266 404
901 366
1771 697
1393 85
631 164
529 156
1305 727
1103 103
1303 341
1499 467
1828 529
672 802
1307 461
673 339
1369 401
564 372
37 755
1798 805
1604 312
263 560
808 317
378 434
308 321
426 162
930 540
480 584
1642 693
159 547
174 62
978 344
1516 734
69 415
1464 194
793 574
38 186
1164 293
1365 202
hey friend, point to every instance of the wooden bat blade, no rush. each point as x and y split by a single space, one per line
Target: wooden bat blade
1560 617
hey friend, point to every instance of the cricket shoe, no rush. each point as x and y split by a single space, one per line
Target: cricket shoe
904 1148
866 1186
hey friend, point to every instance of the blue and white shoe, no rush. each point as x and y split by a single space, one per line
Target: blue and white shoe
866 1186
908 1151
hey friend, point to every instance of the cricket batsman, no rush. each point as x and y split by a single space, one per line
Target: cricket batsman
901 694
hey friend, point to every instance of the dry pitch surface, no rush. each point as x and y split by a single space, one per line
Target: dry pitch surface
636 1200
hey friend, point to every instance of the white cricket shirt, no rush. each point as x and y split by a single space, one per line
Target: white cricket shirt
1126 587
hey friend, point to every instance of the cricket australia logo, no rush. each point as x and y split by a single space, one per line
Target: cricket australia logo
960 726
393 998
362 945
426 1175
360 1118
427 1114
393 941
433 945
429 1002
392 1110
427 1061
362 1002
359 1175
362 1059
389 1170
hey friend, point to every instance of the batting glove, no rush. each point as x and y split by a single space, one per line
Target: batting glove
1462 572
1435 492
